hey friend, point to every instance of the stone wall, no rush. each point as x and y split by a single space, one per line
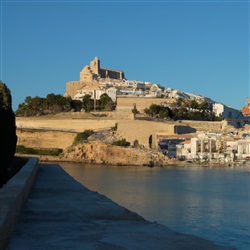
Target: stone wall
204 125
113 74
129 129
44 133
67 125
126 103
72 87
141 130
36 138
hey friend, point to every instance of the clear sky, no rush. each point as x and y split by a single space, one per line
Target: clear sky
201 47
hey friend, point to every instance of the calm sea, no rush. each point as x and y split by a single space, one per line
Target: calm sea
213 203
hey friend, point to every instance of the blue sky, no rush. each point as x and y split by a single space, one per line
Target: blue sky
200 47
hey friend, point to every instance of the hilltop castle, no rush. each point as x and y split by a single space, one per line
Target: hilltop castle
91 76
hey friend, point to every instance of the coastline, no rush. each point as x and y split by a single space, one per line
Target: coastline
46 159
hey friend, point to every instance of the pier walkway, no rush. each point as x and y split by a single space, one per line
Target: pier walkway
60 213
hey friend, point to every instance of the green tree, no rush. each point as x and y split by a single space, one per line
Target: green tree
8 136
87 103
194 104
106 103
158 111
76 104
52 104
204 106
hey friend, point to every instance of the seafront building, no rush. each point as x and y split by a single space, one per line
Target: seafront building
214 146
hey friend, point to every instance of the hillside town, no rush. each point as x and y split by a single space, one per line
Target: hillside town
180 126
229 142
95 81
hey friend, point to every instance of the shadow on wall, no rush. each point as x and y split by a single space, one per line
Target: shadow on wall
183 129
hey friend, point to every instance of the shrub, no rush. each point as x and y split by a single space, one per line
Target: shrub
121 143
135 111
114 128
81 137
26 150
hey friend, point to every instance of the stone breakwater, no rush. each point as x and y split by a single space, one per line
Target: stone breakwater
100 153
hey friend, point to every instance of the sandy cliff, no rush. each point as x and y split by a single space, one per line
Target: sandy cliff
100 153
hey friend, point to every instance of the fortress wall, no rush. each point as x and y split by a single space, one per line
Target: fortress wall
69 125
127 128
141 130
126 103
43 133
72 87
204 125
44 138
114 74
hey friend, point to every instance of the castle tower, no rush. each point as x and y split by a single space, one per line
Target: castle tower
95 66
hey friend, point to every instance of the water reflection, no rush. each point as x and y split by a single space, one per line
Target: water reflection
211 203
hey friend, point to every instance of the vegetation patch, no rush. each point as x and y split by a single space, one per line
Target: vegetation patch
114 128
52 104
105 103
82 137
187 110
25 150
121 143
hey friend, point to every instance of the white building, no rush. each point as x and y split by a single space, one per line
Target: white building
243 148
135 84
183 150
112 93
205 146
94 91
226 112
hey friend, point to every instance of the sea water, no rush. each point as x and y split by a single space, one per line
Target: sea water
213 203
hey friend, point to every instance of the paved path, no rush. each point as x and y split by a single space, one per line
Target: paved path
60 213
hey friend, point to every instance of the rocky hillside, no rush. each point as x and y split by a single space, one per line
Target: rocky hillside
99 153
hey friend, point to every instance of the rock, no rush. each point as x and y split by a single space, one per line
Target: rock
101 153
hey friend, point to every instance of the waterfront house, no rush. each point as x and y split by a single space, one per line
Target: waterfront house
243 148
183 150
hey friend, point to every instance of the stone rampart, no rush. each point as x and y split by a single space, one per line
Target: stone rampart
73 86
141 130
127 103
60 133
38 138
66 125
204 125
